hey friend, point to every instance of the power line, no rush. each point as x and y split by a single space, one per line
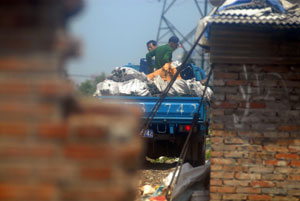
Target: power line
79 75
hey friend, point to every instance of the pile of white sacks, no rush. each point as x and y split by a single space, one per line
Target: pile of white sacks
125 81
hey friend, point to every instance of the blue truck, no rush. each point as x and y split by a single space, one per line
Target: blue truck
168 130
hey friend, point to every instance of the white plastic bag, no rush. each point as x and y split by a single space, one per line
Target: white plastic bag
133 87
121 74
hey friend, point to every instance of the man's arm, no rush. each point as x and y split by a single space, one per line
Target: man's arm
149 56
168 56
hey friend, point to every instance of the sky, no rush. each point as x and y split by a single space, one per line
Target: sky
115 32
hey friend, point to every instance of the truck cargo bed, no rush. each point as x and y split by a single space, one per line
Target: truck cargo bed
172 109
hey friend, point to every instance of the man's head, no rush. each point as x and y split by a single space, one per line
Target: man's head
174 42
151 45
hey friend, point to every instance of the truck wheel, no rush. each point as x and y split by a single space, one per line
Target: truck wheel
196 153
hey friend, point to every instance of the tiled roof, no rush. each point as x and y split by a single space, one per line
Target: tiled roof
258 13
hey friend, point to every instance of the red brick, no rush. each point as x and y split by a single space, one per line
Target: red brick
221 147
235 196
223 189
216 126
236 82
247 190
294 192
235 154
247 176
286 142
95 173
254 105
261 169
284 198
23 151
287 156
221 75
216 167
293 76
290 84
237 168
273 176
235 140
271 162
259 197
216 182
90 131
223 133
129 155
222 175
13 64
275 163
225 105
14 129
215 196
295 163
27 192
86 152
294 148
222 161
110 193
217 140
289 128
260 184
218 112
236 183
294 178
15 88
54 130
11 172
216 153
26 110
283 170
278 69
288 184
275 148
55 89
252 134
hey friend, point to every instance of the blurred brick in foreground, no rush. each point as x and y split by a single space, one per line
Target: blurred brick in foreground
54 146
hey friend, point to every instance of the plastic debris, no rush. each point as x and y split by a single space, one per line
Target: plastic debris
125 81
157 198
147 189
121 74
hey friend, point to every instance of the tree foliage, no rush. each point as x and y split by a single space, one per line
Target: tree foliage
88 87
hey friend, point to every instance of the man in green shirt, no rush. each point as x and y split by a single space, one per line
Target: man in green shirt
163 54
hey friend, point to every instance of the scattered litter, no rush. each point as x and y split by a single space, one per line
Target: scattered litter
147 189
150 193
157 198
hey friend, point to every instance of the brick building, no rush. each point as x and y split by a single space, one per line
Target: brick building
54 146
256 125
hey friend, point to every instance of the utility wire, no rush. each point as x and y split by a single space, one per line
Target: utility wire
186 143
154 110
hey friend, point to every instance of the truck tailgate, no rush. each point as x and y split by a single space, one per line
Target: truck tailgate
172 109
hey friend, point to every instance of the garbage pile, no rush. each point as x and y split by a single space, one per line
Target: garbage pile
125 81
192 185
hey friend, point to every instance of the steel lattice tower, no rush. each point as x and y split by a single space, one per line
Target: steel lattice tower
167 28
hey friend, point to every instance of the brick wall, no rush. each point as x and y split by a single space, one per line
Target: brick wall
54 146
255 132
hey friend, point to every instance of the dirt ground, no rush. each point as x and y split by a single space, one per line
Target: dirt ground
153 174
